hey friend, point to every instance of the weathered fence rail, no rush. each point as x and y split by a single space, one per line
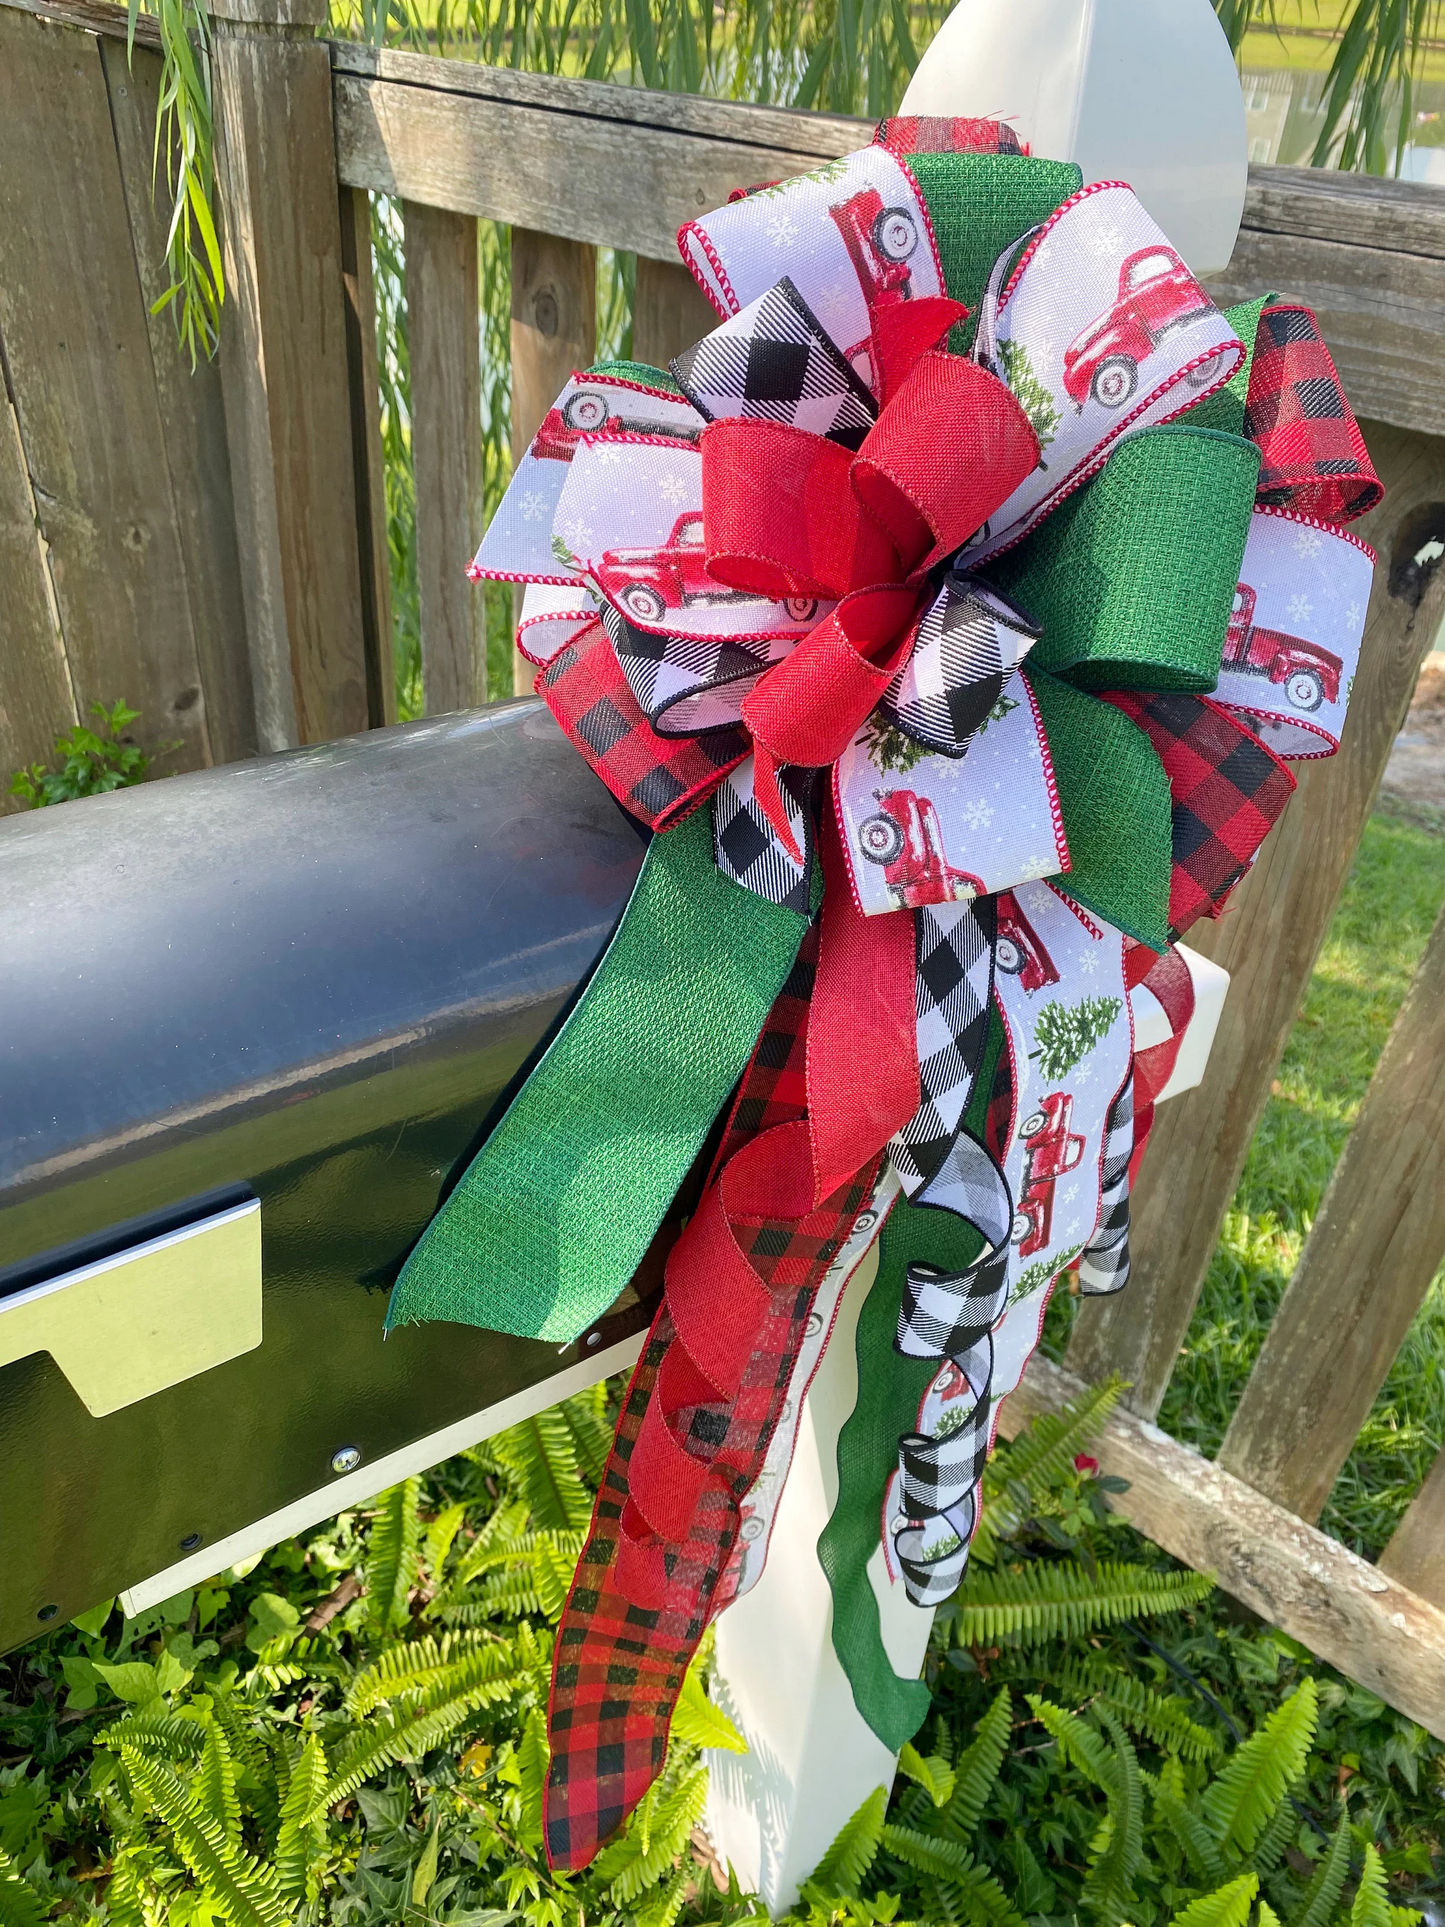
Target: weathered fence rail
214 548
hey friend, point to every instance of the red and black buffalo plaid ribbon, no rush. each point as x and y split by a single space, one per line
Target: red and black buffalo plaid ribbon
1228 792
1312 455
619 1668
660 779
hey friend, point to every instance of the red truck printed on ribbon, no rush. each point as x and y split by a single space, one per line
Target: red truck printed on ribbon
905 836
880 241
591 412
1308 674
1051 1149
1019 949
646 583
1157 294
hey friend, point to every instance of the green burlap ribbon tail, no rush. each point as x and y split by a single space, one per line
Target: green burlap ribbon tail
554 1214
890 1388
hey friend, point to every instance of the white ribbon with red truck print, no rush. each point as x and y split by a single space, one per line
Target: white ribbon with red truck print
1293 641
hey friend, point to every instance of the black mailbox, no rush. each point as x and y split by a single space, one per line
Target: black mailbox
253 1022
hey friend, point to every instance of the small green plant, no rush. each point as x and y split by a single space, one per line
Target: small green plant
91 762
1031 394
890 747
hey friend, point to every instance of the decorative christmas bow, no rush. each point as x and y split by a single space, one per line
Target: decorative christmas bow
920 568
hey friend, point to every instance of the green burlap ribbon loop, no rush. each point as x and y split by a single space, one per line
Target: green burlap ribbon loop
979 205
556 1210
1132 577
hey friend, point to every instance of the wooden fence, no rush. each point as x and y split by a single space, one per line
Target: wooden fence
214 548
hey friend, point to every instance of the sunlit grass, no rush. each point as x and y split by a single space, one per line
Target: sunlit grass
1379 930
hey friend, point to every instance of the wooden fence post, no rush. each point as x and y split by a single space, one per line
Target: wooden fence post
554 330
444 318
368 463
669 311
284 368
1268 941
1415 1556
87 398
1374 1247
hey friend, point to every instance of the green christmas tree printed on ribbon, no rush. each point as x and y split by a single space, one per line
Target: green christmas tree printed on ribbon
890 747
1030 393
1064 1034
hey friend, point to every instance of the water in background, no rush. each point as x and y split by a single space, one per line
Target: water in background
1284 113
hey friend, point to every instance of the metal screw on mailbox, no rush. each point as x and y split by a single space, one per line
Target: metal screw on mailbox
346 1458
191 1541
47 1612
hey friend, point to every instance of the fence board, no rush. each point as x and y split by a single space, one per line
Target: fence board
582 175
1381 310
284 369
368 462
1268 942
670 312
1344 1609
1375 1245
36 702
554 330
443 311
1415 1556
194 420
74 325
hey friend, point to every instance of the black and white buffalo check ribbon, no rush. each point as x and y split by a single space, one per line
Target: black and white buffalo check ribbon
954 948
952 1316
687 685
745 846
969 643
772 362
1104 1261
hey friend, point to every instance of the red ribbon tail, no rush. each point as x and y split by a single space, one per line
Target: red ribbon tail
770 800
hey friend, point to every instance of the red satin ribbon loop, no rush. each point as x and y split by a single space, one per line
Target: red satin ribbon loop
780 518
948 450
810 707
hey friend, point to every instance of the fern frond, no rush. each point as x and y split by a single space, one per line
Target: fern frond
1244 1796
1270 1847
1318 1902
411 1728
646 1852
697 1722
931 1772
554 1561
980 1899
964 1888
1266 1917
1371 1905
421 1668
1201 1849
20 1905
1061 1600
928 1852
392 1556
236 1884
664 1910
533 1758
854 1849
439 1537
586 1415
248 1748
214 1785
1042 1453
1157 1716
300 1835
539 1458
977 1770
1227 1906
131 1900
1077 1741
1109 1889
164 1736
